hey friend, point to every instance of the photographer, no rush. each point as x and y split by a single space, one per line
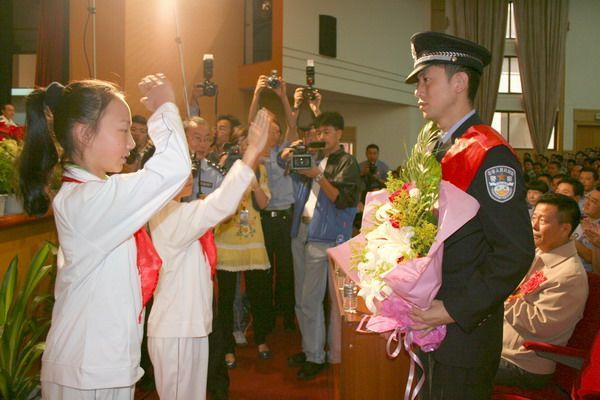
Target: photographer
326 197
277 217
372 170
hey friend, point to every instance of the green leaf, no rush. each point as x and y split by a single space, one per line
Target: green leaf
7 290
25 325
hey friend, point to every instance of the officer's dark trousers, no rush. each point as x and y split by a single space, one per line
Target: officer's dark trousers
449 382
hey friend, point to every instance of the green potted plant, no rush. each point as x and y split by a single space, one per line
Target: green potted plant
24 321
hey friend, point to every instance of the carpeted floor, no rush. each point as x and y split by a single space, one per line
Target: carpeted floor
273 379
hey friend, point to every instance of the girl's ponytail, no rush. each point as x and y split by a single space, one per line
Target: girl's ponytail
39 155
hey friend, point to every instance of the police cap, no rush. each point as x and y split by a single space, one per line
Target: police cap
429 48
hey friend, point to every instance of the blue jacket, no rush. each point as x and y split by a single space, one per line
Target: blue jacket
330 219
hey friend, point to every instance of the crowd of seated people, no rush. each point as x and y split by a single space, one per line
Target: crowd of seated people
574 174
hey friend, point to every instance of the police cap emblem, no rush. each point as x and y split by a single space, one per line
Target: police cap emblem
500 183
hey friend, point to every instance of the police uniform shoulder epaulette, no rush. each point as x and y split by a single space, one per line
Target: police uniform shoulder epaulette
216 166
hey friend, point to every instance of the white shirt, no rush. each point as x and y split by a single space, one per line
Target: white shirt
311 202
95 337
183 299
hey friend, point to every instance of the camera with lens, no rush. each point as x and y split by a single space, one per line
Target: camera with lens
309 90
209 88
273 80
302 157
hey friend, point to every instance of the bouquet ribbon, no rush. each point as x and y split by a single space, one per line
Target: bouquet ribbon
403 336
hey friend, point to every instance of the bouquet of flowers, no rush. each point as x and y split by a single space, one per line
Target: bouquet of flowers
396 260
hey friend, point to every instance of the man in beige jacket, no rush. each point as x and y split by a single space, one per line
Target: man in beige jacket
550 300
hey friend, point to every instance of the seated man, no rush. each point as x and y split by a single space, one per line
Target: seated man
549 301
590 221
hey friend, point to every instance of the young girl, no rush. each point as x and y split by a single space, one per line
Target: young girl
93 347
181 315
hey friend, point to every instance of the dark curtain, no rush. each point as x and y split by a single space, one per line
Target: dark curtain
53 43
484 22
6 49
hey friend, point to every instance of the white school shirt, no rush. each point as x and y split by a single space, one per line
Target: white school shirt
182 304
95 337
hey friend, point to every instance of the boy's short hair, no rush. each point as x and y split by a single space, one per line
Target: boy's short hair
538 185
330 118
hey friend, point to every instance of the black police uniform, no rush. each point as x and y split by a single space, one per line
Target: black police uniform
484 260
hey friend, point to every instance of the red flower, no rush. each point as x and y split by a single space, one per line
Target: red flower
529 286
405 188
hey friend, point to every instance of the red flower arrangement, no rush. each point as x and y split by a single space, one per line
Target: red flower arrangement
529 286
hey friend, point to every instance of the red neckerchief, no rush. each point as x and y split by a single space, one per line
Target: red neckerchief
148 260
462 161
207 243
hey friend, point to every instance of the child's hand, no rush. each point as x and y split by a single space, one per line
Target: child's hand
257 138
156 90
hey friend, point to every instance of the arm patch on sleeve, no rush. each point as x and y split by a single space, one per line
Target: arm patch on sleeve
500 183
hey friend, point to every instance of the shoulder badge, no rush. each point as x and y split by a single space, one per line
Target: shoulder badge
500 183
215 166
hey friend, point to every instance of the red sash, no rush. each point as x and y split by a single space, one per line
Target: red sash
207 243
462 161
148 260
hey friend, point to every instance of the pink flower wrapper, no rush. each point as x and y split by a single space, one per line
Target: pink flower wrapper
415 282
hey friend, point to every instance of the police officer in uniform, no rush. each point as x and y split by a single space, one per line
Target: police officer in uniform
207 178
485 260
207 174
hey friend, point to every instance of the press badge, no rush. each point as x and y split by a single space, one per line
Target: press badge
244 217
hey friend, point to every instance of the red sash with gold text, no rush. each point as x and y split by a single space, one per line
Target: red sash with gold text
462 161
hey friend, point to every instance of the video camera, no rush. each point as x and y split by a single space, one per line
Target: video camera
309 91
209 88
302 157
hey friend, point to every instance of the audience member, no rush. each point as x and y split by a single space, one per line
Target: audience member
571 187
547 179
553 168
528 171
556 180
8 113
575 171
549 301
535 190
591 219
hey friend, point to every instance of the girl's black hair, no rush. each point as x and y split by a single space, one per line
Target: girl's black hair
52 113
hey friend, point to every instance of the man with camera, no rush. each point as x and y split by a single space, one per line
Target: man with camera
326 195
372 170
277 217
